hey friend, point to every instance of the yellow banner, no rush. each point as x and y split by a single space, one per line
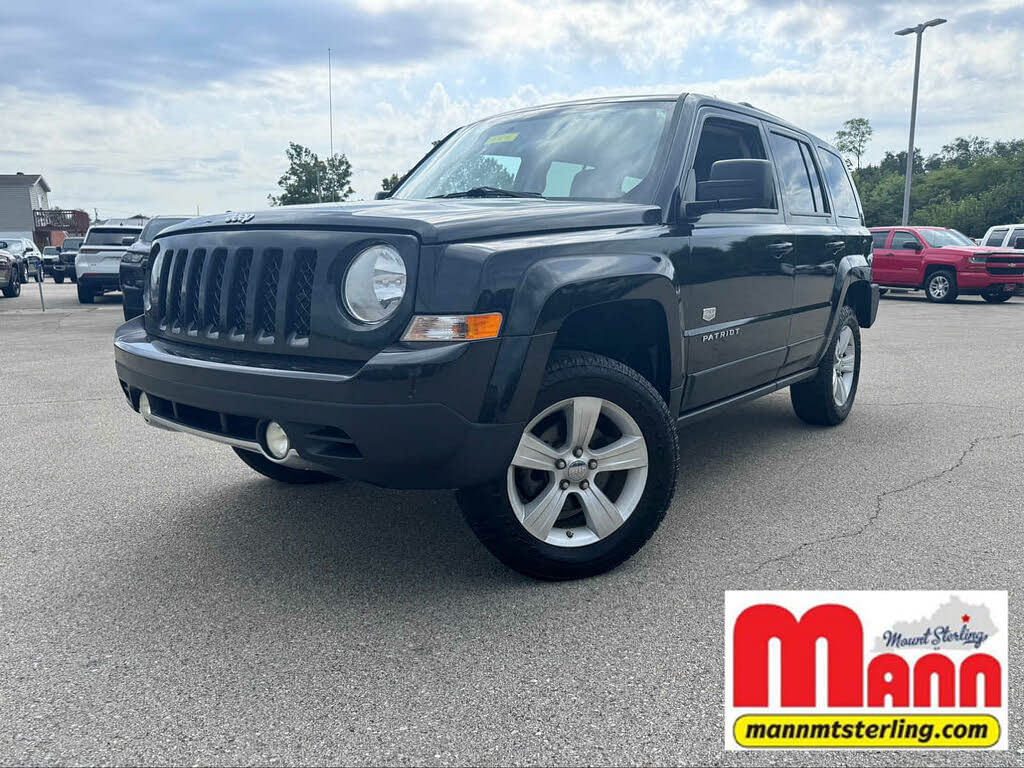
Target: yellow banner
891 731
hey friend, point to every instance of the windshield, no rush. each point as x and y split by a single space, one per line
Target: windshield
109 236
578 152
71 244
156 226
51 250
937 238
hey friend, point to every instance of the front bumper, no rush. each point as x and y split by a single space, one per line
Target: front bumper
133 280
979 282
401 420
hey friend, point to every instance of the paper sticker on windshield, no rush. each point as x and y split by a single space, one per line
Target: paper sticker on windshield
501 138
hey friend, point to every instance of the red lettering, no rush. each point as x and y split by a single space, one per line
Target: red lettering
840 627
924 668
973 666
898 684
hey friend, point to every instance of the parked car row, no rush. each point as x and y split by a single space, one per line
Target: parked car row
945 263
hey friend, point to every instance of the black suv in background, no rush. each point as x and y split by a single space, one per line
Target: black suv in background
544 300
65 266
135 264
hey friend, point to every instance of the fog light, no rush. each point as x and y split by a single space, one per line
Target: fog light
276 440
144 407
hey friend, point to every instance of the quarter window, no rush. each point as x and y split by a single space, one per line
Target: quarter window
839 185
996 238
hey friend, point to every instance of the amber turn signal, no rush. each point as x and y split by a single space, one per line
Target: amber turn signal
453 327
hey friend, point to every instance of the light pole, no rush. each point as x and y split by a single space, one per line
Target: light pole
919 31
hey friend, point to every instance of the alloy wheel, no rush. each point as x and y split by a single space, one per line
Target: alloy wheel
938 287
579 472
843 367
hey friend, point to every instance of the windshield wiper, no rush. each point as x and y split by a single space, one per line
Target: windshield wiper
489 192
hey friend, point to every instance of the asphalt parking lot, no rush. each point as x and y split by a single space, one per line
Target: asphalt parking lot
161 603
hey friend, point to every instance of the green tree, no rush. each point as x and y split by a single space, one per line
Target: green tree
853 137
390 182
312 180
970 184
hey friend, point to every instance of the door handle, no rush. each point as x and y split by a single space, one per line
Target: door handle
778 250
836 245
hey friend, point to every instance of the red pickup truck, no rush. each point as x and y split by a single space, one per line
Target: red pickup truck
945 263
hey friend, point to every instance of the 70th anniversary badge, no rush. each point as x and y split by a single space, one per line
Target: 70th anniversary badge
865 670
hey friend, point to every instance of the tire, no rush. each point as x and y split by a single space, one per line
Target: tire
13 290
282 474
39 277
73 278
996 297
882 291
85 296
620 407
816 401
58 279
940 286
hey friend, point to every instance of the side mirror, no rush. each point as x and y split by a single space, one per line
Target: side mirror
734 185
127 240
1018 242
382 195
911 245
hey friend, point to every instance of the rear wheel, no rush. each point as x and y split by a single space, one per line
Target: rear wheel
279 472
58 279
85 295
996 297
827 399
592 476
940 286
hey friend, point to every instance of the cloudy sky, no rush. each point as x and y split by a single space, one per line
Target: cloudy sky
161 107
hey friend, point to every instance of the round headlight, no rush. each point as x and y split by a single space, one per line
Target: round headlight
374 284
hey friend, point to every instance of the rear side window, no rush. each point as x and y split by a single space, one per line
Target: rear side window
1013 237
878 238
839 185
795 176
996 237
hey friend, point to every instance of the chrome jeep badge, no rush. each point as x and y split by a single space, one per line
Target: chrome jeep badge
709 313
238 218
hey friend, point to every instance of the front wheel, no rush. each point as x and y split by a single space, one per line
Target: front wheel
940 286
279 472
592 476
13 289
827 399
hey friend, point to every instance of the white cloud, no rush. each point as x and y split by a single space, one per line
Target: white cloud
220 144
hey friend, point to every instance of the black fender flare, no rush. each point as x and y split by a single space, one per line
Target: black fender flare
554 289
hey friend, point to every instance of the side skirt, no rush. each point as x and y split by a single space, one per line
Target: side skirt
710 410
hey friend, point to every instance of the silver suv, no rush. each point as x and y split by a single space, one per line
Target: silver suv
98 263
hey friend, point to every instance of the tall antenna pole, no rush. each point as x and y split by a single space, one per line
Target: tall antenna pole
330 99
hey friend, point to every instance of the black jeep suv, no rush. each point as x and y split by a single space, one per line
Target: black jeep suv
529 317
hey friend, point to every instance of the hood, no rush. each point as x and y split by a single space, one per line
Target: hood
438 221
979 250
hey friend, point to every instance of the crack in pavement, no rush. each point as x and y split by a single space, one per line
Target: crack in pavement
879 501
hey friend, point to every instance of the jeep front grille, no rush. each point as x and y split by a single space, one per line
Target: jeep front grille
236 294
